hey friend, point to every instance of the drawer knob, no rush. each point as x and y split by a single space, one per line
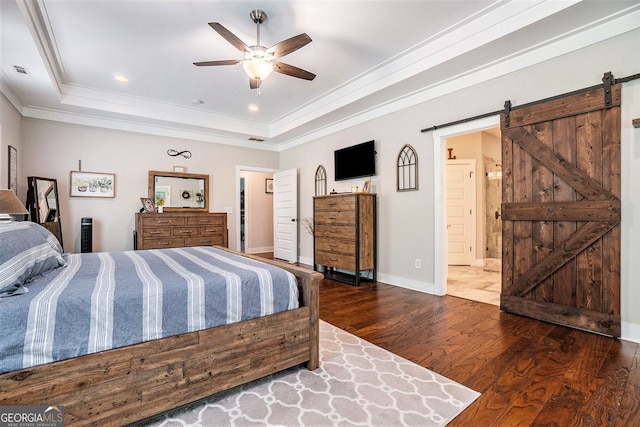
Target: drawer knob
186 231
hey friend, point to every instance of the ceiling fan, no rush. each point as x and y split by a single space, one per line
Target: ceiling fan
258 61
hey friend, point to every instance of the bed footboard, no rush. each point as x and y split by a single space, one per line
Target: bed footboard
123 385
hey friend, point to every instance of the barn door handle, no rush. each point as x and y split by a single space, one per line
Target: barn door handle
497 215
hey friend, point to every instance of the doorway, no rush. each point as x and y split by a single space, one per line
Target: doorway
473 220
254 205
478 279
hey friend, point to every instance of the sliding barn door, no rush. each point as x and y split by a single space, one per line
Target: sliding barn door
561 211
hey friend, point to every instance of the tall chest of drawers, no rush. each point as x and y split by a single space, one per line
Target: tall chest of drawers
345 235
178 229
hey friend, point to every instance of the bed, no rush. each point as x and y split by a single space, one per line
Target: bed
164 361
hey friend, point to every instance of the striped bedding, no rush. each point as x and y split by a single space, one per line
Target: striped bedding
100 301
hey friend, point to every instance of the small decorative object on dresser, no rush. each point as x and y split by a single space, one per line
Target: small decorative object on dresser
181 229
147 204
345 235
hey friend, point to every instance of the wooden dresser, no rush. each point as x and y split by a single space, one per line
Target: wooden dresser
178 229
345 235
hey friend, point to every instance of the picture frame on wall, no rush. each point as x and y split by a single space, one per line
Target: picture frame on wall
268 185
92 184
13 169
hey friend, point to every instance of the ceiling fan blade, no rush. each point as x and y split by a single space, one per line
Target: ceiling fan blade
287 46
253 83
292 71
223 62
229 36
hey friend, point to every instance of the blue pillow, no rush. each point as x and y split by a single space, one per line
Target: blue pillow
27 251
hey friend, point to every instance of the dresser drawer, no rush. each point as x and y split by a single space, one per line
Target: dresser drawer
156 232
205 241
347 202
184 231
206 220
163 243
159 220
211 231
336 246
335 231
328 259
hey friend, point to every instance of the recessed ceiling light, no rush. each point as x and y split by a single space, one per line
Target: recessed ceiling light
253 107
120 78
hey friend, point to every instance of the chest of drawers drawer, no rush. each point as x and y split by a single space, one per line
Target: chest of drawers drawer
338 246
335 231
341 202
348 262
336 217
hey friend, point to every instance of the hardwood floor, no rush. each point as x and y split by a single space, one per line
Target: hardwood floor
530 373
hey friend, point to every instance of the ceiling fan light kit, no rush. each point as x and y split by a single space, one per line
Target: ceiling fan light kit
258 61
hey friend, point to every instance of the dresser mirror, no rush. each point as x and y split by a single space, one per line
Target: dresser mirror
176 191
43 204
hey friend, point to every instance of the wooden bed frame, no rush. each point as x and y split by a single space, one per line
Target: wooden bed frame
123 385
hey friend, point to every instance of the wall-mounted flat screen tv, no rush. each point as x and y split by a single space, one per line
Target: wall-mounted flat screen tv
355 161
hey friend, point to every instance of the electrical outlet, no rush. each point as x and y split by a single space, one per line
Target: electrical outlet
418 263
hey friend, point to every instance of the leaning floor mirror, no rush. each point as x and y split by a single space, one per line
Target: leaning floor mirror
44 205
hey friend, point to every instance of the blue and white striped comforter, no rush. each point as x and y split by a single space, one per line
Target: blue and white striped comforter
107 300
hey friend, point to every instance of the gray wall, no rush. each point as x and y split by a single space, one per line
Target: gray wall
408 221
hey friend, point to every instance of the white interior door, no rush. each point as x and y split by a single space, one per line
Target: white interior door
460 211
285 215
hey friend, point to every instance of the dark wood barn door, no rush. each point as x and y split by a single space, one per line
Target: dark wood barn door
561 211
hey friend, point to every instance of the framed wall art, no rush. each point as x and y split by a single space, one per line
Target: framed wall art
268 185
92 184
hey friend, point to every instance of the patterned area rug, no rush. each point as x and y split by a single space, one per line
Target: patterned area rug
357 384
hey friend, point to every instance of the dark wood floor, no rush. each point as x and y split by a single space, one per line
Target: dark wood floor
530 373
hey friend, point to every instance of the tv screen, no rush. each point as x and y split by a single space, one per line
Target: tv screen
355 161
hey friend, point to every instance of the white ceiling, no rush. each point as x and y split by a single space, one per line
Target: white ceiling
371 57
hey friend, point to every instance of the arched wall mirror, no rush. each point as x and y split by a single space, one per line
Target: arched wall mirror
179 191
44 205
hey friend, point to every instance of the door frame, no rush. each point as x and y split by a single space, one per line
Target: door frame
239 170
440 192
